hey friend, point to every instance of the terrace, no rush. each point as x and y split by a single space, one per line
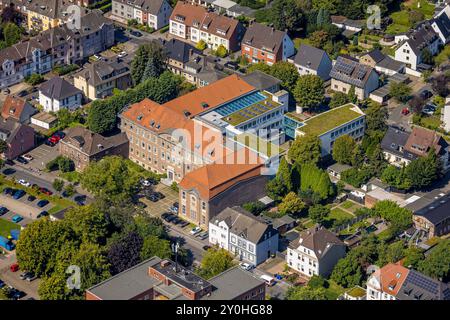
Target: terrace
246 108
328 120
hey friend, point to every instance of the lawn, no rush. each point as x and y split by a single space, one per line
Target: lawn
426 8
430 122
350 206
400 23
336 216
6 226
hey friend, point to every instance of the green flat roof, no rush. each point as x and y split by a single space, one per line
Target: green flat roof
328 120
356 292
251 111
258 144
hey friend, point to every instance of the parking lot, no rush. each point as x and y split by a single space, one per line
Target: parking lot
41 155
158 208
27 209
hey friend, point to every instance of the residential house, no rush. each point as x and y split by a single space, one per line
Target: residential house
395 282
445 117
315 252
336 169
152 13
350 26
262 43
382 63
347 73
187 61
56 94
19 137
262 81
17 109
434 219
208 190
246 236
83 146
195 23
62 45
401 147
162 279
98 79
348 120
311 60
410 47
441 25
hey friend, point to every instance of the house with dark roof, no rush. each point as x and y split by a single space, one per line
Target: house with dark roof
98 79
163 279
18 137
311 60
152 13
410 47
315 252
396 282
262 43
17 109
83 146
56 94
189 62
441 25
381 62
401 147
195 23
434 219
347 73
262 81
246 236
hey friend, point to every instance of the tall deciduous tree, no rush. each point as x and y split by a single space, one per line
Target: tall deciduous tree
309 91
149 61
343 149
305 149
291 204
215 261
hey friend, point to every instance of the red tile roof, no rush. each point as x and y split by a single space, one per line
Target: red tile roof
13 107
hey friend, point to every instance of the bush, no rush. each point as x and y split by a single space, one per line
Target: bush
34 79
62 70
174 187
255 207
61 163
58 184
221 52
201 45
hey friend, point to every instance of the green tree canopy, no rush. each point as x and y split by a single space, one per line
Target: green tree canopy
437 263
305 293
153 246
309 91
215 261
343 149
291 204
318 213
305 149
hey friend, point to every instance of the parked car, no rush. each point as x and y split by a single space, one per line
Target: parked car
14 267
175 220
122 54
203 236
426 94
153 197
17 294
231 65
3 210
22 160
9 162
174 209
45 191
8 191
42 203
184 223
246 266
8 171
136 33
405 111
146 183
22 93
429 109
24 183
31 198
196 230
28 157
80 200
16 218
206 248
23 275
19 194
31 277
42 214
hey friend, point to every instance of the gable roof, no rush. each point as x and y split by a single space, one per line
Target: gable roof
58 88
264 37
179 50
244 224
418 286
421 140
391 277
309 57
394 141
443 24
198 17
317 239
95 71
376 55
421 37
437 211
351 72
14 107
150 6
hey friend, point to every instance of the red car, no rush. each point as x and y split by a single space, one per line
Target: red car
45 191
405 111
14 267
54 139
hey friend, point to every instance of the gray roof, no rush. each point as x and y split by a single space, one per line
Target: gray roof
244 224
317 239
394 141
9 127
102 71
351 72
151 6
58 88
339 167
443 23
260 80
437 211
127 284
264 37
310 57
179 50
421 37
376 55
390 64
231 284
418 286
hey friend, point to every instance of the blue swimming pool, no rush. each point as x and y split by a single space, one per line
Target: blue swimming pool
240 103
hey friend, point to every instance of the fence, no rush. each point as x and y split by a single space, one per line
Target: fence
349 223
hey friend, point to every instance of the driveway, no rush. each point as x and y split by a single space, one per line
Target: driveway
41 155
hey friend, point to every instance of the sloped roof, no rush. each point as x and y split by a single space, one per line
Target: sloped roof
394 141
93 72
421 140
391 277
351 72
309 57
150 6
376 55
437 211
260 80
317 239
264 37
58 88
13 107
443 23
179 50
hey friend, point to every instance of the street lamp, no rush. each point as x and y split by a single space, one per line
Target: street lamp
175 247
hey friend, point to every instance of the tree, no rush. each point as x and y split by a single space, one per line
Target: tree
88 223
291 204
149 226
416 103
318 213
221 51
255 207
396 177
309 91
3 146
352 95
58 184
376 117
319 39
316 180
215 261
34 79
54 287
437 263
276 189
391 253
427 56
284 174
153 246
400 91
348 271
149 61
440 84
413 256
12 34
124 253
201 45
423 171
305 149
343 149
69 190
285 15
305 293
399 218
286 72
338 99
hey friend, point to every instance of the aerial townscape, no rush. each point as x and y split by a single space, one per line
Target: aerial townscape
225 150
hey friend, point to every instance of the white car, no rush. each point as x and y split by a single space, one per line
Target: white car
196 230
96 56
122 54
28 157
246 266
24 183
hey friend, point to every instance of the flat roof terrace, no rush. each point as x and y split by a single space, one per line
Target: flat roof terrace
328 120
